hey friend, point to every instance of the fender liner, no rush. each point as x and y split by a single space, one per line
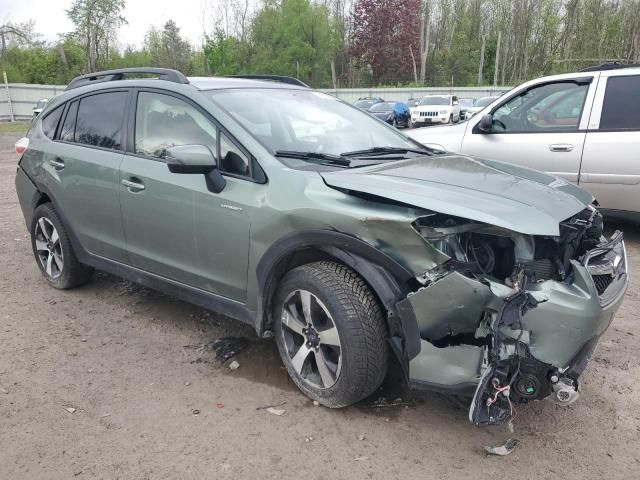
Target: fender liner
386 277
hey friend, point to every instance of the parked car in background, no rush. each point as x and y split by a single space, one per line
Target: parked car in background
394 113
413 103
38 108
326 229
366 103
436 109
465 103
478 105
583 127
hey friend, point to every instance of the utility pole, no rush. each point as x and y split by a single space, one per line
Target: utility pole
495 70
10 105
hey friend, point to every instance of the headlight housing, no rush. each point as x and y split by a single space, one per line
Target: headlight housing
444 112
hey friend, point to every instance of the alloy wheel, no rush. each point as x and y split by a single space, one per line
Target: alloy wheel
48 247
311 339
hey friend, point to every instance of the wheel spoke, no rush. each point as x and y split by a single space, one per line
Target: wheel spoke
325 372
54 237
299 358
305 299
41 246
330 337
291 322
43 228
49 263
58 259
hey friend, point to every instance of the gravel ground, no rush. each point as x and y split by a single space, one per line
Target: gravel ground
116 354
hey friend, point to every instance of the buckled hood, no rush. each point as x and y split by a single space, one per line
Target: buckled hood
496 193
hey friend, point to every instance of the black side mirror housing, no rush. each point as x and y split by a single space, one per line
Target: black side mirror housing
486 123
189 159
197 159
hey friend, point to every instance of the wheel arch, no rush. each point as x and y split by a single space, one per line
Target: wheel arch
389 281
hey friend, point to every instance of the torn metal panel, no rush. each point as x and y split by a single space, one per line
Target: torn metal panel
448 366
450 306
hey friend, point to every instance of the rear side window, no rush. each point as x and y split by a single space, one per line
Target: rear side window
50 122
69 125
621 106
99 122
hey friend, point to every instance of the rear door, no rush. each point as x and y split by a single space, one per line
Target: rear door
611 159
542 127
82 168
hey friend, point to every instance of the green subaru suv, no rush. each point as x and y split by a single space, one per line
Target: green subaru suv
354 246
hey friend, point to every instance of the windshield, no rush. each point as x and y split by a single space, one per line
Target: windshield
306 121
382 107
466 102
366 103
484 101
435 100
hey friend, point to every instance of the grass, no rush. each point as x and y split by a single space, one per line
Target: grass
15 127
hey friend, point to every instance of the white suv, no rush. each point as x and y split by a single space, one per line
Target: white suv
436 109
583 127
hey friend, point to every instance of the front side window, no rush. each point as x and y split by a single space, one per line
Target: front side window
621 106
306 121
553 107
99 122
164 121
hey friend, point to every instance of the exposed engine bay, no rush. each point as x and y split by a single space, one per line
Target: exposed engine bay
484 296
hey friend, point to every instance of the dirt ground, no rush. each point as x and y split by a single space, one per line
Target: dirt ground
116 353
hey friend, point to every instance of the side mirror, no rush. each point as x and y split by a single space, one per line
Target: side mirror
189 159
455 103
196 159
486 123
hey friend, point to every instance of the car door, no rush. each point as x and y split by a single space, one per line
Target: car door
82 171
175 227
611 159
542 126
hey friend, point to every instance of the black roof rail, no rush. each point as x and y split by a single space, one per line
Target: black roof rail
119 74
610 66
273 78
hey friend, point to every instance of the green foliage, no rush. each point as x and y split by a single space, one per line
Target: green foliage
224 53
371 42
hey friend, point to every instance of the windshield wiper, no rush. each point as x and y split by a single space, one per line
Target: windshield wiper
383 151
324 158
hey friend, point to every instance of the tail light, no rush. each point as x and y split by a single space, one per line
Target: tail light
22 145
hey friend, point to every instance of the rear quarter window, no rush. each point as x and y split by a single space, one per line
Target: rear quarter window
621 105
50 122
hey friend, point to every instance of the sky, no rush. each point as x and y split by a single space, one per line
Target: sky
51 18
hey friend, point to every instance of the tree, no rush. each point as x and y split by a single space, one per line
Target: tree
96 24
384 37
167 48
293 37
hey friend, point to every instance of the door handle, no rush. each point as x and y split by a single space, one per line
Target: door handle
133 186
560 147
57 163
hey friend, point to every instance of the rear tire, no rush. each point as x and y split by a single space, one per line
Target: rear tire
53 251
334 349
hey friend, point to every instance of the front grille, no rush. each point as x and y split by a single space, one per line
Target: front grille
428 114
602 282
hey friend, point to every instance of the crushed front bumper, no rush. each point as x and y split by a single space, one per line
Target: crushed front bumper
506 346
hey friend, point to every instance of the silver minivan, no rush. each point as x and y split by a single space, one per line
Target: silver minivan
583 127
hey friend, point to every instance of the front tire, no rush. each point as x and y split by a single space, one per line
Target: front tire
331 333
53 251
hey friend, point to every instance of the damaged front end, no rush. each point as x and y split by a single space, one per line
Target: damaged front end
510 318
